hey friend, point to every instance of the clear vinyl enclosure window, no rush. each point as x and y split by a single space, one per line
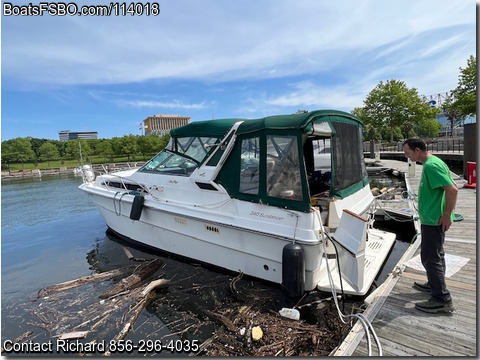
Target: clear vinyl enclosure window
283 167
195 147
250 166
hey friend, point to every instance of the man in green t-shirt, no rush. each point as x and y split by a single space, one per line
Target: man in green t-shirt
437 196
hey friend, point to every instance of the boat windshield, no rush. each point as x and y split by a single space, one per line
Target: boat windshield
181 156
168 162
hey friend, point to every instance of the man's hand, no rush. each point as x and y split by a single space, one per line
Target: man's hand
445 221
450 201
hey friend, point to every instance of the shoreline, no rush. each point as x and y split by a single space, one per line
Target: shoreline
70 170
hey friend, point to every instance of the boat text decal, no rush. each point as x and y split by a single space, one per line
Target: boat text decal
267 216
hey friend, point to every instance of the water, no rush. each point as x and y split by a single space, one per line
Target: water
52 232
42 218
47 229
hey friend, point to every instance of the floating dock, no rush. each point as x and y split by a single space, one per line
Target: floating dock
404 331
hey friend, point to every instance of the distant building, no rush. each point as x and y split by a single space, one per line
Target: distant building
162 124
65 135
457 130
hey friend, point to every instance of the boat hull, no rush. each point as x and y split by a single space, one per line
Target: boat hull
239 249
239 236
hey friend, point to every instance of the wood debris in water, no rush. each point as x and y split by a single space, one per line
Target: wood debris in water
239 317
141 273
76 309
81 281
254 329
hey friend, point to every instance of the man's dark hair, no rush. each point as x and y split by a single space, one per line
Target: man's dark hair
416 142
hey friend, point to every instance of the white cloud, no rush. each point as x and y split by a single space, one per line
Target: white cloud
216 40
163 104
307 95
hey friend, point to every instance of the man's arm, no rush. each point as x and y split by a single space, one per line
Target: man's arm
450 202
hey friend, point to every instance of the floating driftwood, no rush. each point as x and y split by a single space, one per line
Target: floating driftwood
130 255
257 331
235 310
144 298
73 335
69 311
141 273
222 319
82 281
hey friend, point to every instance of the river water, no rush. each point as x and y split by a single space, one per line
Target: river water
51 232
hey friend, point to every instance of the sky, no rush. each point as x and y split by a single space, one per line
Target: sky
214 59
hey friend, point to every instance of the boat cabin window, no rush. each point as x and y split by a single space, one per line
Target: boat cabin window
283 179
283 168
349 163
250 166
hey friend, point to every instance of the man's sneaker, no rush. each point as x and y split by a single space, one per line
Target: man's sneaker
434 306
422 286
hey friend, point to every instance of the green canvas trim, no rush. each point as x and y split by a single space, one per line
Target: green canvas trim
303 122
214 128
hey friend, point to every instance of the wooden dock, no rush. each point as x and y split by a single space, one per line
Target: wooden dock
404 331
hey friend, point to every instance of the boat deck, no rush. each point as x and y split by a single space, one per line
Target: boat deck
404 331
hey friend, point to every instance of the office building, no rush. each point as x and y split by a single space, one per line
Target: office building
65 135
162 124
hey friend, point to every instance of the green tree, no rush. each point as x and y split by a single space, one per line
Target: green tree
48 151
104 148
93 143
163 142
393 107
36 145
77 149
453 114
6 154
148 144
21 150
116 143
465 93
129 145
429 128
